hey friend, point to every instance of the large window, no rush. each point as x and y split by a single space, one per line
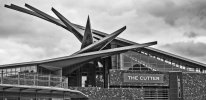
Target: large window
132 60
20 69
44 71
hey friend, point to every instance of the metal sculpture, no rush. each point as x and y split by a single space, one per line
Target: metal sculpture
90 50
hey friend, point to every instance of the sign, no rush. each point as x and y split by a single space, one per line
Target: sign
143 78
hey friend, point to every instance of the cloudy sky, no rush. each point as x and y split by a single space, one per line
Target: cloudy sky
179 26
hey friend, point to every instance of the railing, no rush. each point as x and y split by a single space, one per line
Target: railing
32 79
156 94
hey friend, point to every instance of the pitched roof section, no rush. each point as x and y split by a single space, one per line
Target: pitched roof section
66 61
85 57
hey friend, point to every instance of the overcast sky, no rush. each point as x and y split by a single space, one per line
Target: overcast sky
179 26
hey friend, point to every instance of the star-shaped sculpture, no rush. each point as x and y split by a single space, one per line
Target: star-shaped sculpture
89 51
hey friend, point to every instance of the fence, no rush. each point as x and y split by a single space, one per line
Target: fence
33 79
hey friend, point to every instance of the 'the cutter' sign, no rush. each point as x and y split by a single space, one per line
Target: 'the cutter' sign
143 78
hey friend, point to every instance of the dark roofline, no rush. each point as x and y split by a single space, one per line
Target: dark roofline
101 53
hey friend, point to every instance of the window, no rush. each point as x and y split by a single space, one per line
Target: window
17 70
22 69
133 61
4 72
8 70
33 69
28 68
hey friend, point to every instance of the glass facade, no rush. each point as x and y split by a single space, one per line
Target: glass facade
32 69
17 70
139 60
133 61
32 75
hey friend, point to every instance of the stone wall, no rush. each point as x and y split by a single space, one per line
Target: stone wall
194 86
96 93
116 78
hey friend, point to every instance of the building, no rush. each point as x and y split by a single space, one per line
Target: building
105 68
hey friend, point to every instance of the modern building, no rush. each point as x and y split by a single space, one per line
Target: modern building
105 68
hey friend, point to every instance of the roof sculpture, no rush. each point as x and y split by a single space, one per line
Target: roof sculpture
89 51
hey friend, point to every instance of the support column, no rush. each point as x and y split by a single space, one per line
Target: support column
175 86
3 94
164 64
63 95
201 70
91 74
107 65
79 77
95 65
2 76
171 65
19 98
36 97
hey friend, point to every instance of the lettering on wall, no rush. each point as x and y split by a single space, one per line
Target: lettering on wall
143 78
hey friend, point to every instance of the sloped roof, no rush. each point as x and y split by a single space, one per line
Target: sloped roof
66 61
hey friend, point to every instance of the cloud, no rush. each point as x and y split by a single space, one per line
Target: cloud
14 52
190 12
26 38
193 50
111 7
190 34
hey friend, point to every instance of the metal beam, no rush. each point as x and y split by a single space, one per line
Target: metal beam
99 45
6 88
63 19
41 15
85 57
22 89
20 9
